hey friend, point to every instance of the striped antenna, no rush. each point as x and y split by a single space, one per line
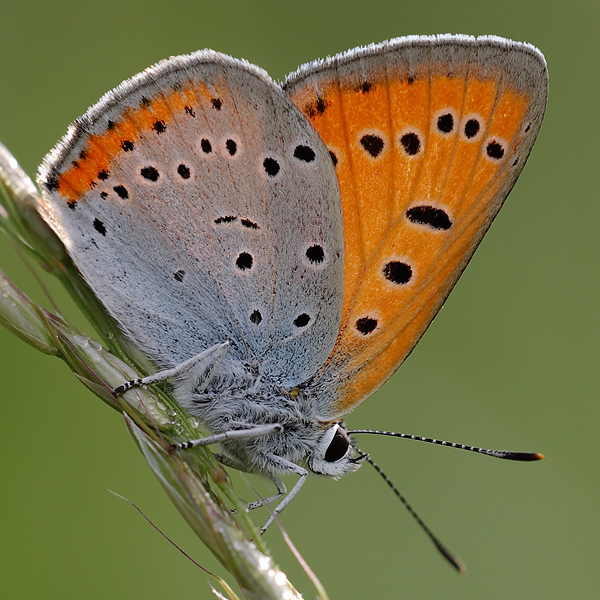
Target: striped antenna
454 560
506 454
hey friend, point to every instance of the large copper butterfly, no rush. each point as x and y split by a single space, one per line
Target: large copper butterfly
278 250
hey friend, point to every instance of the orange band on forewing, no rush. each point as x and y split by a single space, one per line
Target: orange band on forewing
101 150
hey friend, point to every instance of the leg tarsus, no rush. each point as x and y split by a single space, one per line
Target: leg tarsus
281 491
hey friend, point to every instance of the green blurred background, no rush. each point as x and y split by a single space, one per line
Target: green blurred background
510 362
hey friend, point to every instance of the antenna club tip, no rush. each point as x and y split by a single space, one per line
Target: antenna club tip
526 456
456 562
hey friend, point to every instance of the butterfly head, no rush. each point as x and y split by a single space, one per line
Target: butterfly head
334 453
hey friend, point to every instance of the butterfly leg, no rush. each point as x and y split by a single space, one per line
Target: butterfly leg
278 464
281 491
234 463
287 467
232 434
238 465
216 354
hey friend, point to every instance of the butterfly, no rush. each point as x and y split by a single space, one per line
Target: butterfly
278 250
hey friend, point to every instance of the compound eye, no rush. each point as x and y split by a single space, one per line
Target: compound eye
338 447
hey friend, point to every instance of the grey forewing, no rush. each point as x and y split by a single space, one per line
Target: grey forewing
210 244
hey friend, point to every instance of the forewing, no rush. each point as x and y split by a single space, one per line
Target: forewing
201 206
428 135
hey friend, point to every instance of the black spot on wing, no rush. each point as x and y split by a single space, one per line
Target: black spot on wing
159 127
304 153
495 150
226 219
318 107
472 127
315 254
249 224
99 226
271 167
302 320
373 144
445 123
411 143
149 173
366 325
397 272
183 171
433 217
231 147
121 191
244 261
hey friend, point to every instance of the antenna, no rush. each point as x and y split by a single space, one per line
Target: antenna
454 560
506 454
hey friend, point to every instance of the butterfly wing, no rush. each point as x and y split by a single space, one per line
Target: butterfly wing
428 135
201 206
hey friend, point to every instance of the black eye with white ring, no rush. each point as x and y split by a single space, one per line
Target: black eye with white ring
338 446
